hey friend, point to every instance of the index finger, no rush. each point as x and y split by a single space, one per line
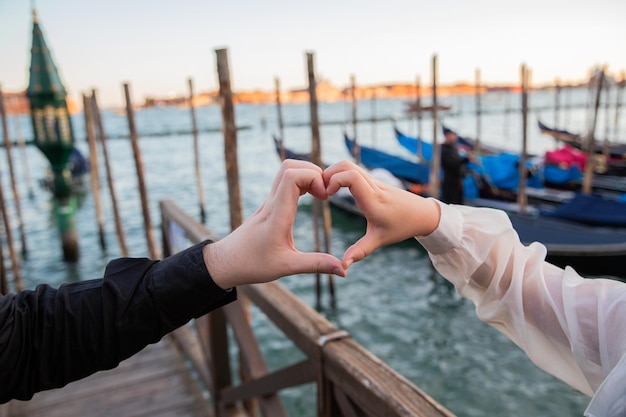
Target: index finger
347 174
292 184
291 164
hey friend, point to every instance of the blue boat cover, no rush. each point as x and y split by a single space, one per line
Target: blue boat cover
410 143
502 170
556 175
592 209
399 167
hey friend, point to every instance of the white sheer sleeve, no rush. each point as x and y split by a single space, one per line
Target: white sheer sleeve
572 327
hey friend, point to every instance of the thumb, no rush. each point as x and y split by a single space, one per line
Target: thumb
359 250
316 262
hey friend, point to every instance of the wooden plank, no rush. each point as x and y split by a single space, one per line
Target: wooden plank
156 381
374 386
251 358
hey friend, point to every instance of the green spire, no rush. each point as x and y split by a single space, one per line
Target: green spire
49 114
44 77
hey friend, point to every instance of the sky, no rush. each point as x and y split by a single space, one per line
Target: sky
156 46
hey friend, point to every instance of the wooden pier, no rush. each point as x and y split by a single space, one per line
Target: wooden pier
155 382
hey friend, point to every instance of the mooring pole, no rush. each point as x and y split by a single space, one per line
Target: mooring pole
229 128
607 107
618 103
557 103
374 118
433 185
4 283
356 151
22 146
521 189
196 152
230 139
591 140
418 117
478 111
281 125
15 263
93 167
101 134
16 195
316 156
143 193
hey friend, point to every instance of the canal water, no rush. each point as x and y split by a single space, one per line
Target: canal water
392 303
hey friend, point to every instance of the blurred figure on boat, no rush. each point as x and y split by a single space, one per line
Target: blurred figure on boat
453 166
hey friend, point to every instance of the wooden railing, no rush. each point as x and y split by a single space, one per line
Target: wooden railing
350 380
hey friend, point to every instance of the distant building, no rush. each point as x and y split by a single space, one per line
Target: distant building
17 103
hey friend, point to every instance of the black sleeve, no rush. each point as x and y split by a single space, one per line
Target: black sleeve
50 337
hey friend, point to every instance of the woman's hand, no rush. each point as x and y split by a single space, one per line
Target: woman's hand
262 248
392 214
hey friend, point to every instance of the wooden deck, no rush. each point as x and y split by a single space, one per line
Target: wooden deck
155 382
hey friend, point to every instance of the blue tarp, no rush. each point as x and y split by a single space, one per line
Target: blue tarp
399 167
557 175
593 210
501 170
411 144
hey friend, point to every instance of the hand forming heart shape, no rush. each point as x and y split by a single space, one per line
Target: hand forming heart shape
262 249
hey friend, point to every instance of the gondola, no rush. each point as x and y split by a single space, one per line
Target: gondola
412 107
614 164
414 172
552 180
411 143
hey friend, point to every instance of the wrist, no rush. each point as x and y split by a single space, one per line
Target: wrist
215 260
431 214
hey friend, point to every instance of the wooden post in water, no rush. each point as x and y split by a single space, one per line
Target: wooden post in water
196 152
22 146
507 110
4 282
590 91
145 207
607 108
16 195
478 111
316 156
433 185
418 117
103 139
374 118
217 324
230 139
618 104
356 151
15 263
521 189
568 104
591 140
93 167
281 125
557 103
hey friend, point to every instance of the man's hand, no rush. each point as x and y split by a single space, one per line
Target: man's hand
262 248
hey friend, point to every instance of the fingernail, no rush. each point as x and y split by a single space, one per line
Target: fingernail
339 272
